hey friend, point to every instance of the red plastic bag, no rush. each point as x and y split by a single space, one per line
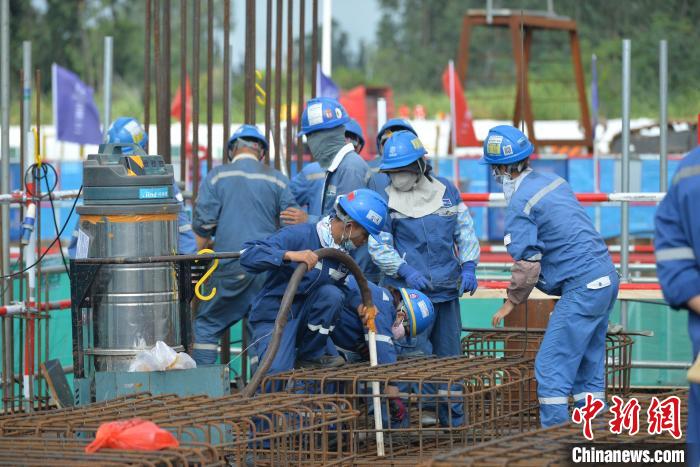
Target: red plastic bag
134 434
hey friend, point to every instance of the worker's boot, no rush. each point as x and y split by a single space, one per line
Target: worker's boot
325 361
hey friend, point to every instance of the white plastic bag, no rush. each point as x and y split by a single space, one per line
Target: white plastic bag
161 358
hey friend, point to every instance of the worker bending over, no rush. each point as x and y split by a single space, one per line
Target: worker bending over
319 296
677 245
429 242
237 203
556 249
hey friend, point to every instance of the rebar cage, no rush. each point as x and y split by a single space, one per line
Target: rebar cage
271 429
552 446
448 402
524 343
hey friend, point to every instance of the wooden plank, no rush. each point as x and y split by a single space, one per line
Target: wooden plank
58 383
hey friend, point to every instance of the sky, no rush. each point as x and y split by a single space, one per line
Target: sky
345 12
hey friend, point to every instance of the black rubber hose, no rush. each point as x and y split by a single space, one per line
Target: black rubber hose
286 304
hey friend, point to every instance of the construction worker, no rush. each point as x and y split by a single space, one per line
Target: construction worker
128 130
555 248
379 181
237 203
677 246
307 185
319 297
429 242
400 312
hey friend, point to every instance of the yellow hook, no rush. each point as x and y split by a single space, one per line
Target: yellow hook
200 282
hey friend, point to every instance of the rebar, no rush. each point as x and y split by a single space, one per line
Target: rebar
552 446
147 71
195 99
35 451
300 93
210 81
268 74
227 78
519 342
278 85
450 401
183 91
290 75
272 429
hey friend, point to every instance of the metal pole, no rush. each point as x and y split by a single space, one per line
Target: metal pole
326 46
183 92
453 125
166 94
625 185
210 80
300 96
381 113
314 47
195 100
489 11
8 326
268 75
290 57
596 156
227 77
663 117
147 71
107 84
278 84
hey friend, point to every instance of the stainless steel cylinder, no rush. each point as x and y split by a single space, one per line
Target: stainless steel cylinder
134 305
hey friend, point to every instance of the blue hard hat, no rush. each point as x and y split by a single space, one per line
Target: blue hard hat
127 130
248 132
402 148
322 113
354 129
420 313
366 208
391 126
505 145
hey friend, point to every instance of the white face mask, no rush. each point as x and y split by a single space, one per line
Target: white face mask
508 188
403 181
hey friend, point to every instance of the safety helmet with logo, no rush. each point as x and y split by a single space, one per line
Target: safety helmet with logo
322 113
353 132
390 127
127 130
418 310
365 207
401 149
248 136
506 145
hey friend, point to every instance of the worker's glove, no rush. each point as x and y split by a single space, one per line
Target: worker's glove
469 283
414 279
397 411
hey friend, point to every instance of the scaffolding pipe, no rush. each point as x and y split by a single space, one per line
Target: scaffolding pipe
663 116
5 146
326 44
625 175
107 84
582 197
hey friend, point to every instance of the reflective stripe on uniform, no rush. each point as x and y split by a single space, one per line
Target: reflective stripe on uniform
254 360
541 194
208 226
320 329
582 395
249 176
380 338
445 392
185 228
443 211
535 257
691 171
673 254
316 176
205 346
553 400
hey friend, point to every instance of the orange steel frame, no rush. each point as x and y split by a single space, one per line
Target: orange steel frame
521 56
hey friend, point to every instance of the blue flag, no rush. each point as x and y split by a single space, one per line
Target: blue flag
74 111
325 87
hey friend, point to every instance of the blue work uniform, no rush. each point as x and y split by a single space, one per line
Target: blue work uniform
350 335
545 223
317 302
186 243
436 245
237 203
677 246
348 172
307 186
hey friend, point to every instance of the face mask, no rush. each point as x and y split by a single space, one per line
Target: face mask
500 177
324 232
398 330
403 181
345 242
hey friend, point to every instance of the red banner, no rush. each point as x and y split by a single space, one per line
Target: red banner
463 117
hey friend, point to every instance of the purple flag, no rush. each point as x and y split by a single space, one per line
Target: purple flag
74 111
325 87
